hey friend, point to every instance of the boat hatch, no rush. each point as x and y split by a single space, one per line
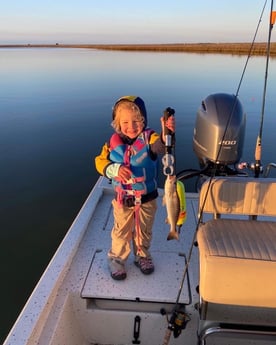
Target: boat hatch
162 286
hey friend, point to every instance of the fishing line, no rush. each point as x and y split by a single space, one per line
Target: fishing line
239 86
200 215
251 48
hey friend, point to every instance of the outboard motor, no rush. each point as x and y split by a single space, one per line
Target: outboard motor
219 133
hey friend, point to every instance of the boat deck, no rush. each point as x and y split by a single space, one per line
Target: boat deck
169 259
77 302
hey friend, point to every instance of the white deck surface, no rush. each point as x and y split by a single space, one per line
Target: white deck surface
157 287
63 307
168 256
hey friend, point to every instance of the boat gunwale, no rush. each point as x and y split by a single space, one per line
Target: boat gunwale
42 298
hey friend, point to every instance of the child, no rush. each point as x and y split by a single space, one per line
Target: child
129 159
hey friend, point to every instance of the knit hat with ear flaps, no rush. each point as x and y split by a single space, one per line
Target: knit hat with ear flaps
136 100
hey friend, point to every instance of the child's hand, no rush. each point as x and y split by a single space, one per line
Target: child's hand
124 173
170 124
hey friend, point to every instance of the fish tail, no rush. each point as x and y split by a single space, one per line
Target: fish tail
173 235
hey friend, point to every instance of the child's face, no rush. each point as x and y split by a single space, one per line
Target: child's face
130 123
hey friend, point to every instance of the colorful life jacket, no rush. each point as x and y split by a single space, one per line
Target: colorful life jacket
137 157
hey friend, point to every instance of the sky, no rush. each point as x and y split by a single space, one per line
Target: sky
121 21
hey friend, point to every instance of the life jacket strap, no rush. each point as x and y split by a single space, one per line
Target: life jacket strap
121 194
137 226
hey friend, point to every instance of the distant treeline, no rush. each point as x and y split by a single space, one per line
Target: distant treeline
221 48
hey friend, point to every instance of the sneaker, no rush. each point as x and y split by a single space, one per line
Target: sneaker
145 264
119 275
117 269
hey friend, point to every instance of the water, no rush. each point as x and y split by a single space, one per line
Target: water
55 115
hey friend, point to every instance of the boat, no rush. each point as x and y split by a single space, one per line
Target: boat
215 285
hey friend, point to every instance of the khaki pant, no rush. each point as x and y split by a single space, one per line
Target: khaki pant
124 230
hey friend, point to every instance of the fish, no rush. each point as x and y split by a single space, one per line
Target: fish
171 201
175 201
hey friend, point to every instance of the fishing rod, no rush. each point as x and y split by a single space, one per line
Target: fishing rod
178 318
258 149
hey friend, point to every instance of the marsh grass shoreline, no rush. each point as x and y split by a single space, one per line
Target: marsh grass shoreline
204 48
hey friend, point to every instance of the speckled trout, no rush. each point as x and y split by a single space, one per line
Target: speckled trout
171 201
174 199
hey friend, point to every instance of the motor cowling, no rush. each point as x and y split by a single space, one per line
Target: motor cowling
219 130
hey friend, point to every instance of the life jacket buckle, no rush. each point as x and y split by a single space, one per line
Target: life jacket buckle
138 200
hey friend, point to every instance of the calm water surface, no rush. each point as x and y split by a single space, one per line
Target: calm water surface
55 114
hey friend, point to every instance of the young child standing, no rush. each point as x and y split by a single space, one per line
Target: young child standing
130 160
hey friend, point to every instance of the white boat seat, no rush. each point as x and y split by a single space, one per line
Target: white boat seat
237 246
238 262
238 256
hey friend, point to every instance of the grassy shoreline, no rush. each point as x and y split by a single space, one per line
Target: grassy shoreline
205 48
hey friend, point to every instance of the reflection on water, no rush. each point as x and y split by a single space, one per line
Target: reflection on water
55 115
